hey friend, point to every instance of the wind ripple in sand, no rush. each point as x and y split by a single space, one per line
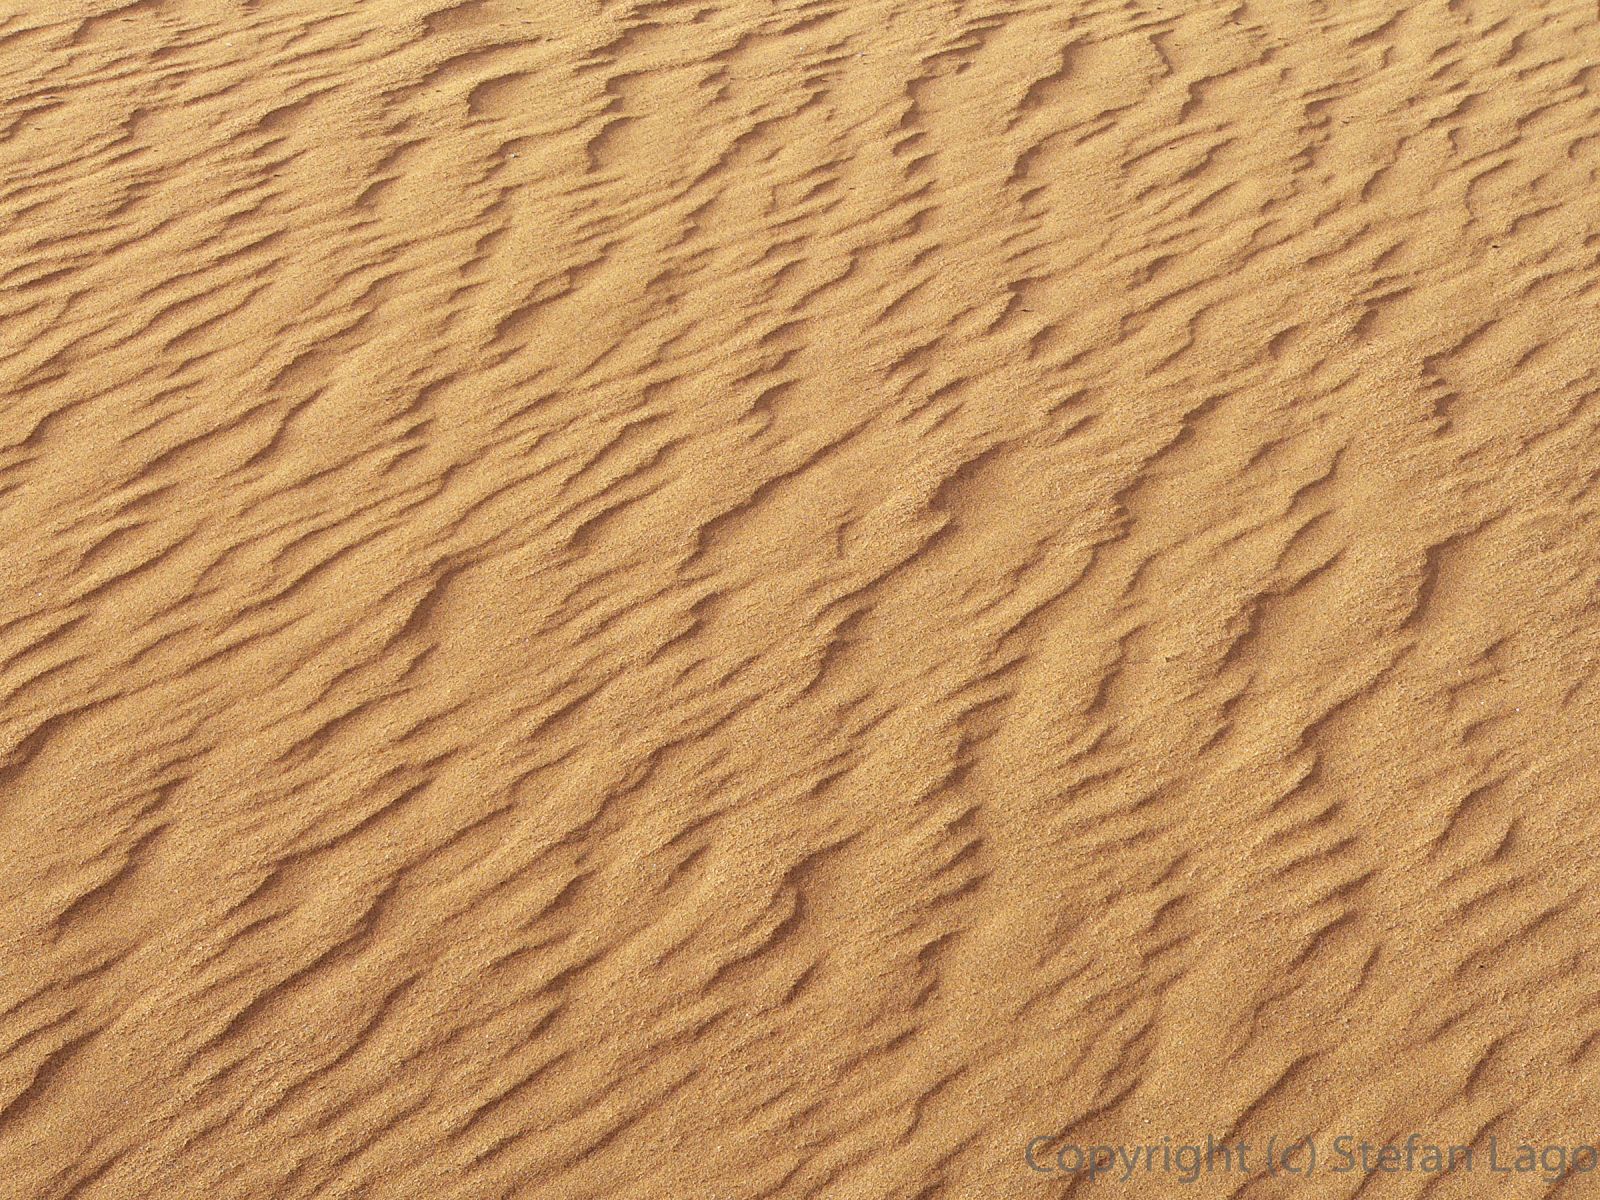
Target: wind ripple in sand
771 600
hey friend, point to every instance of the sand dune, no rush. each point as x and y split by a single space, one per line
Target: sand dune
705 599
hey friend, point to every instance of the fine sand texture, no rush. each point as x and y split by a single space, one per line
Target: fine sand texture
723 599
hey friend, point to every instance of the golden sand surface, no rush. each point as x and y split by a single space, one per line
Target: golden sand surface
723 599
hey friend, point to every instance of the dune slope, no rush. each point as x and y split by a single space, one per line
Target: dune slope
731 599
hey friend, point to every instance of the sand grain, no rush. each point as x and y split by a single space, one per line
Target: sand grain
723 599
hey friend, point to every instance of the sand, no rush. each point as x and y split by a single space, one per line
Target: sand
715 599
